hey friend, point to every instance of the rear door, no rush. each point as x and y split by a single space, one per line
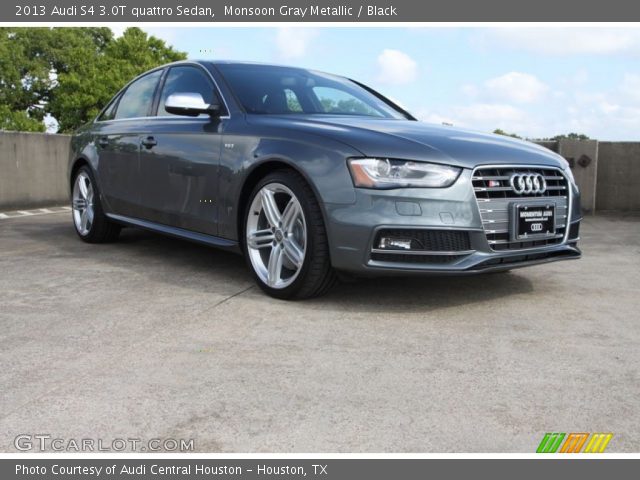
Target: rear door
118 134
179 159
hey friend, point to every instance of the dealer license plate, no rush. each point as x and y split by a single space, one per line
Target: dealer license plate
534 221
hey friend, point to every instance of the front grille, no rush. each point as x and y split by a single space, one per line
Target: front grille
432 240
495 194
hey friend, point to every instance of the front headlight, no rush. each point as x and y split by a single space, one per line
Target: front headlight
391 173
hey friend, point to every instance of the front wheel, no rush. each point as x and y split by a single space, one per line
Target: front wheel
285 239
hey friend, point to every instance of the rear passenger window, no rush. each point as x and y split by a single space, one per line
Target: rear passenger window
183 80
137 99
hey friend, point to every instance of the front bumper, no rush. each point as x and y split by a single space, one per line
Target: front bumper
354 232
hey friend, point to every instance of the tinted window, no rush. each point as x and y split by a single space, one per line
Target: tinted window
334 100
285 90
293 104
136 100
186 79
109 112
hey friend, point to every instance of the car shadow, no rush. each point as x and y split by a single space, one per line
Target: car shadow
198 267
411 293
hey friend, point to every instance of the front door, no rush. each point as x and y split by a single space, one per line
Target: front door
179 158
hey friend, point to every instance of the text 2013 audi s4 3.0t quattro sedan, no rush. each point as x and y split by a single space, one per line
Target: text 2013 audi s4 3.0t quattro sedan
309 174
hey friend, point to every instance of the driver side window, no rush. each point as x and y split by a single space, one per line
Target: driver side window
186 79
137 99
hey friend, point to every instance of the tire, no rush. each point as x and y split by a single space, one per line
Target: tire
89 220
289 260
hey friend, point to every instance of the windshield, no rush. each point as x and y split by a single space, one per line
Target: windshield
266 89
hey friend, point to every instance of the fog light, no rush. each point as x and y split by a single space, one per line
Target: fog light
391 243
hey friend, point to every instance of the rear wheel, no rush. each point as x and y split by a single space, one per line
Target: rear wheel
91 224
285 240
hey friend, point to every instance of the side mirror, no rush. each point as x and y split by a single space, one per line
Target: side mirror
190 104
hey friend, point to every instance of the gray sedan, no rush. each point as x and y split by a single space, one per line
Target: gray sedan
312 176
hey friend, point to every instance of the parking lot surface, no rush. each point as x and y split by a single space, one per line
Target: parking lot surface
152 337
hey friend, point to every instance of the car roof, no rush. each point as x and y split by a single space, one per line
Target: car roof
204 62
240 62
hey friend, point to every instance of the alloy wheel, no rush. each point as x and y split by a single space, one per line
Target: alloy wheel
82 204
276 235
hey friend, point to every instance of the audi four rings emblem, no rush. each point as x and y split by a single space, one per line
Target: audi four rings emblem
528 183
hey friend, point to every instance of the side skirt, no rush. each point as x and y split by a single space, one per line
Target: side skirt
176 232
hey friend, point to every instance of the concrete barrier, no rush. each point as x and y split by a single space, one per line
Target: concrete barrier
582 156
618 185
33 169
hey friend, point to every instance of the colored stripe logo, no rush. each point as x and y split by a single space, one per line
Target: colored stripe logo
598 442
574 442
550 443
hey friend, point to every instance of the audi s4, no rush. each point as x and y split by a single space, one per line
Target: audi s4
311 175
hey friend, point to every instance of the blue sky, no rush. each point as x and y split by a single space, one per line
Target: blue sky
536 82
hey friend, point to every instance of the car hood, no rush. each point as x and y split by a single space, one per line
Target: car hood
414 140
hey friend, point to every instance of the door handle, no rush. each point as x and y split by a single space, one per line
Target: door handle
149 142
103 142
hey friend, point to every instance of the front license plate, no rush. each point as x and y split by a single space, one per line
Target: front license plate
535 220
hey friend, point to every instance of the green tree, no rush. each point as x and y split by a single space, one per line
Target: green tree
69 73
571 136
499 131
19 121
25 77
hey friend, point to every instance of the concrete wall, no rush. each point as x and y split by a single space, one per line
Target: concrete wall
582 156
33 168
550 144
618 183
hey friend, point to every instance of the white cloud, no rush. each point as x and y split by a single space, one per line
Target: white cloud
611 113
396 67
490 115
294 43
481 116
516 87
568 40
512 87
434 117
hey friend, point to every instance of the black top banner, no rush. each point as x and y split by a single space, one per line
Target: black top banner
380 11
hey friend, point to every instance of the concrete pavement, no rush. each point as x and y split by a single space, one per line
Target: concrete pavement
153 337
